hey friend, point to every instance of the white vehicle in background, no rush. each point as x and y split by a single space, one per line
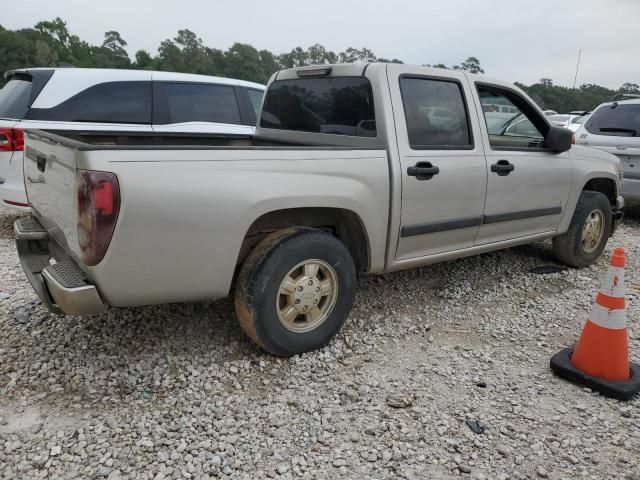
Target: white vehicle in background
122 100
550 112
577 121
615 128
562 120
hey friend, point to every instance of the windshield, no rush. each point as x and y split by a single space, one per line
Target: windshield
617 119
332 105
14 99
579 120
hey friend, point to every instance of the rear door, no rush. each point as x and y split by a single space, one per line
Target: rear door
442 160
528 185
190 107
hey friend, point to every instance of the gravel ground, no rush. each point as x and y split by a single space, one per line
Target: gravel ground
177 391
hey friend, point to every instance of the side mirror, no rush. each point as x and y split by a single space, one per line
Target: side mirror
558 139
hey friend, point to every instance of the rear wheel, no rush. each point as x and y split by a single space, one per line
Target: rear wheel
588 231
295 290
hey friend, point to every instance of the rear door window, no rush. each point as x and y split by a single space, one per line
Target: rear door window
436 114
196 102
111 102
331 105
14 99
617 119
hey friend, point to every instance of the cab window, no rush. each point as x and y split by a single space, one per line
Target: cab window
511 122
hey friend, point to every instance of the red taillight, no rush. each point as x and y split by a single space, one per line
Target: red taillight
98 203
11 140
573 139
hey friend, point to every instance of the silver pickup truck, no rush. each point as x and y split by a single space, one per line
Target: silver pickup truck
354 169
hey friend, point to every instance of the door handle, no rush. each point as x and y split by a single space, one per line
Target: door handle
423 171
503 168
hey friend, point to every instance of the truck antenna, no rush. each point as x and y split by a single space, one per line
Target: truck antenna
575 78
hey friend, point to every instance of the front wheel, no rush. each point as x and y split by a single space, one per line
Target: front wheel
295 290
588 231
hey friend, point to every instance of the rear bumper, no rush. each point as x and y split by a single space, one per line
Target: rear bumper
54 276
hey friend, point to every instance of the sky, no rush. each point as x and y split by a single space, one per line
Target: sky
515 40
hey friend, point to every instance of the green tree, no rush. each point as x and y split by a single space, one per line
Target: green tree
629 88
113 49
144 60
353 55
471 65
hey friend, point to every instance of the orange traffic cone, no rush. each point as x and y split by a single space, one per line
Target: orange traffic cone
600 359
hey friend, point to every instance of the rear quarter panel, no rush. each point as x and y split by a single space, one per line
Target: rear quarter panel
184 214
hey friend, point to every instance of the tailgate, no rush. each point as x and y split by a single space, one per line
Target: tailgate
49 173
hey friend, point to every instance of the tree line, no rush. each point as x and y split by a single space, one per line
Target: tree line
50 44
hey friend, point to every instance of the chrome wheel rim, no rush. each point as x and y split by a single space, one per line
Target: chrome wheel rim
307 295
592 231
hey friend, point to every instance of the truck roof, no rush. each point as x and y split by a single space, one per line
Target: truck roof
359 69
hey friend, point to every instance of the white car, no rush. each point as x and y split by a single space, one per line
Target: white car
615 128
577 121
562 120
121 100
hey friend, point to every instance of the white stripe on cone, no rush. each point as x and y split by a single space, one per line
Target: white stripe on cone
613 284
613 319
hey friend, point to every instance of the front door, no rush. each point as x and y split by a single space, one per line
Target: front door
528 185
442 160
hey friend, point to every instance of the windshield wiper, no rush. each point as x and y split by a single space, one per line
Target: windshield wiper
621 130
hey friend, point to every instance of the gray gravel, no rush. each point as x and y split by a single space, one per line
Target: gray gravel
177 391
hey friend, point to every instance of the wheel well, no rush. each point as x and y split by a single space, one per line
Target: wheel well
344 224
603 185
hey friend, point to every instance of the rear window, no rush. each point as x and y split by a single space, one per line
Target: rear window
112 102
623 120
333 105
14 99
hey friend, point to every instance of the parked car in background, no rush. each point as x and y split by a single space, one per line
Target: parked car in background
563 120
615 128
577 121
125 100
550 112
358 168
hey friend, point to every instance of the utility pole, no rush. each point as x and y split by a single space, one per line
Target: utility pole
575 79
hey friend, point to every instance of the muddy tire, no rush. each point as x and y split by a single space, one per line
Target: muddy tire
588 231
295 290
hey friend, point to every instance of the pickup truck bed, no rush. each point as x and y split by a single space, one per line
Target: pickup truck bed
177 196
354 169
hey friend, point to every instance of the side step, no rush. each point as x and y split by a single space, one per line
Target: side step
28 228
